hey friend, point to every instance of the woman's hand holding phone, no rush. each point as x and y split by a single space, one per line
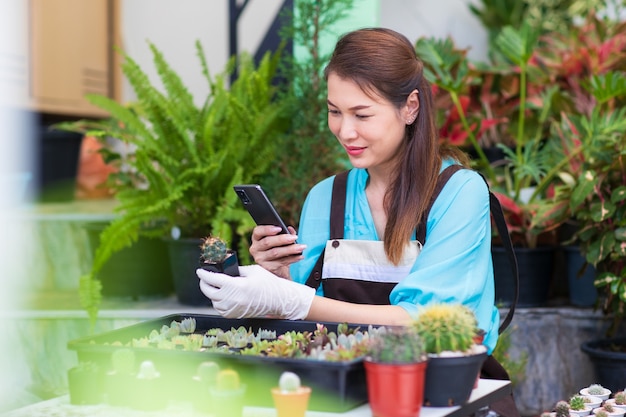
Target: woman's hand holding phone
274 250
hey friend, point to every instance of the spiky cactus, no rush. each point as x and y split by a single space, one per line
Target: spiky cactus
289 382
397 345
602 413
596 389
446 327
562 409
214 250
620 398
608 407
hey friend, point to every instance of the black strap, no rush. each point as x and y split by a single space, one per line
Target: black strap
337 215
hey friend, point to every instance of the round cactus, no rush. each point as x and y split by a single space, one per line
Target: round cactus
207 372
289 382
227 380
601 413
562 409
608 407
446 327
214 250
595 389
620 398
147 370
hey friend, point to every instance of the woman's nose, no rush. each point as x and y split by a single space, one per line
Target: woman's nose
347 130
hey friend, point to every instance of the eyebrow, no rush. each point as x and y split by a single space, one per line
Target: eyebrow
354 108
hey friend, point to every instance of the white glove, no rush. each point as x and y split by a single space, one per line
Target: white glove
256 293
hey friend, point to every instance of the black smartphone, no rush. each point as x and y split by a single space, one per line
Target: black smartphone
259 206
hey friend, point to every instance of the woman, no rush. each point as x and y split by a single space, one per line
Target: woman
380 109
387 262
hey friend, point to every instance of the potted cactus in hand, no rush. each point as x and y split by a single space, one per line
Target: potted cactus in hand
290 397
395 370
216 257
454 359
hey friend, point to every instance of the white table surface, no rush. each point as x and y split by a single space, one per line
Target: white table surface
487 391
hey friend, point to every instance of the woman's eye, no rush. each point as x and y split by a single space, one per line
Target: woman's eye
333 112
362 116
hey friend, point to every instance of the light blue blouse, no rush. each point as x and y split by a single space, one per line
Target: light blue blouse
455 263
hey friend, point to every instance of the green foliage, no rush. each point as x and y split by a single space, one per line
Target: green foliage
515 367
397 345
185 158
446 327
310 152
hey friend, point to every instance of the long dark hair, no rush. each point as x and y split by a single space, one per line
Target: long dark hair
383 62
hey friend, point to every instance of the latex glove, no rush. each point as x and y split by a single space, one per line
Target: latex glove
256 293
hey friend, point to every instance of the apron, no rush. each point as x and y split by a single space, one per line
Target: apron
358 271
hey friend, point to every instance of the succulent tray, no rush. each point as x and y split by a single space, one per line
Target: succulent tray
337 385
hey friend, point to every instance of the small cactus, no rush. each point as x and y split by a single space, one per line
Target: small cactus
397 345
227 380
577 402
123 361
214 250
446 327
289 382
207 372
602 413
595 389
147 370
620 398
608 407
562 409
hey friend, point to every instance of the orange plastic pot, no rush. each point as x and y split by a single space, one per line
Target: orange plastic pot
395 390
291 404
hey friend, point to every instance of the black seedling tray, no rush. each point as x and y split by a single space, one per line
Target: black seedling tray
336 386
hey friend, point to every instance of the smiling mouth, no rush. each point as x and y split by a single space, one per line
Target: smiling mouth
354 150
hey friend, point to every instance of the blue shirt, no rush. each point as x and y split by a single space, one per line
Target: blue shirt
454 265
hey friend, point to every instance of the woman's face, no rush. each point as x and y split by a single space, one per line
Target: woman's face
370 129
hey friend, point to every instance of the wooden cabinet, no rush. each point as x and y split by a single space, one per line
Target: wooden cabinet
71 54
65 51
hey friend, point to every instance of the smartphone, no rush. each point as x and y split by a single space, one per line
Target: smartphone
259 206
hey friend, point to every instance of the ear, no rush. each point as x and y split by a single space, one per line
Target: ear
411 108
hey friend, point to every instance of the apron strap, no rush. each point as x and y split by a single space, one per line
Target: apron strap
337 215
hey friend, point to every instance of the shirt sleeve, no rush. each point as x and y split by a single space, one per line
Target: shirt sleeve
455 264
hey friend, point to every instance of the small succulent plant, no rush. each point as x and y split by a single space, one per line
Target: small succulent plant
147 370
397 345
207 372
188 325
620 398
289 382
214 250
601 413
577 402
561 409
446 327
608 407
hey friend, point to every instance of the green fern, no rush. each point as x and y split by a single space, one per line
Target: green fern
187 158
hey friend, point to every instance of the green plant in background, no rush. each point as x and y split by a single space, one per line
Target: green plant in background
397 345
310 152
515 367
186 158
446 327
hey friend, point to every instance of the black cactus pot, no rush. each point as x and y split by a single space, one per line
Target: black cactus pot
230 265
